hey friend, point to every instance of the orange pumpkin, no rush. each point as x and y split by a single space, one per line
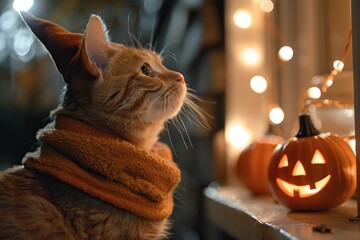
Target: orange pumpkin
312 171
253 162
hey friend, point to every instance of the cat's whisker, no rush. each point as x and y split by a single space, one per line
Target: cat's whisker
157 98
149 47
169 135
169 54
192 118
197 114
132 37
137 40
129 33
176 124
185 130
166 46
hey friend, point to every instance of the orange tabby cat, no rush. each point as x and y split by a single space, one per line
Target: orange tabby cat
100 172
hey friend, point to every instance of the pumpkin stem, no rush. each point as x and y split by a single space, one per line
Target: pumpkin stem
307 128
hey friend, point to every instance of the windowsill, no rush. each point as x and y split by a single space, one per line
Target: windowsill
237 212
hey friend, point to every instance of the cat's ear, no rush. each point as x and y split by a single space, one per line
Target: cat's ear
96 41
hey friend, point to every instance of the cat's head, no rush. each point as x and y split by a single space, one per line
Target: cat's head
111 85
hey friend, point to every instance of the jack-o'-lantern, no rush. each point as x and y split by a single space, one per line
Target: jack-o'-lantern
253 163
312 171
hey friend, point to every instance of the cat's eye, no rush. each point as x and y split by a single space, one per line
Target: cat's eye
145 69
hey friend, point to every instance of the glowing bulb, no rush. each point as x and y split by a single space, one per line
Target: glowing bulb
314 92
250 56
329 82
338 65
276 115
22 5
242 19
266 5
258 84
238 136
286 53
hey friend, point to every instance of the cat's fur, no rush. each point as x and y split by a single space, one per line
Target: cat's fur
119 98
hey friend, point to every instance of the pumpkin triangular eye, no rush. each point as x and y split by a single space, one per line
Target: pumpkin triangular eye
299 169
284 162
318 158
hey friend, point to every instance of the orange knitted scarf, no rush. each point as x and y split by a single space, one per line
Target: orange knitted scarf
108 167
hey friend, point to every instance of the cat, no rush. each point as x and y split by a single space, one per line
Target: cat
100 172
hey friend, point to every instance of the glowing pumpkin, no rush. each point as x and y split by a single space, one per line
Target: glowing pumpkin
253 163
312 171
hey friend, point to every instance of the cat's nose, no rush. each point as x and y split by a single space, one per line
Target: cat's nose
179 78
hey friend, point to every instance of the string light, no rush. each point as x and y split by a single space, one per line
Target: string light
286 53
266 5
238 136
338 65
242 19
250 56
314 92
276 115
258 84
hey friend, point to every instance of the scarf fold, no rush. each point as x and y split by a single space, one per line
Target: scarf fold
108 167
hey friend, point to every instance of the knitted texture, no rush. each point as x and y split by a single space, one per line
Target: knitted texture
108 167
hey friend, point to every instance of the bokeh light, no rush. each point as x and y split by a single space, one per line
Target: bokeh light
266 5
276 115
242 19
258 84
314 92
22 5
23 40
286 53
338 65
250 56
8 21
239 136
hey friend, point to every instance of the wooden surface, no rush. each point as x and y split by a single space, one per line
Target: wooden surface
237 212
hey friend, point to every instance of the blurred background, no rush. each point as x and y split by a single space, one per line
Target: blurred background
256 64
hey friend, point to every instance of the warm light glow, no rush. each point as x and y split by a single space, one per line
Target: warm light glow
238 136
242 19
284 162
318 158
329 82
314 92
338 65
299 169
250 56
276 115
266 5
302 191
22 5
286 53
258 84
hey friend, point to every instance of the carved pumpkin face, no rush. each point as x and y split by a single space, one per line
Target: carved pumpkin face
300 186
314 172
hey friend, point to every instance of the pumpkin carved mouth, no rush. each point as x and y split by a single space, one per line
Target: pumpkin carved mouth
302 191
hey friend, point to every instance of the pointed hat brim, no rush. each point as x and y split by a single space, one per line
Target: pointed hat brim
62 45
